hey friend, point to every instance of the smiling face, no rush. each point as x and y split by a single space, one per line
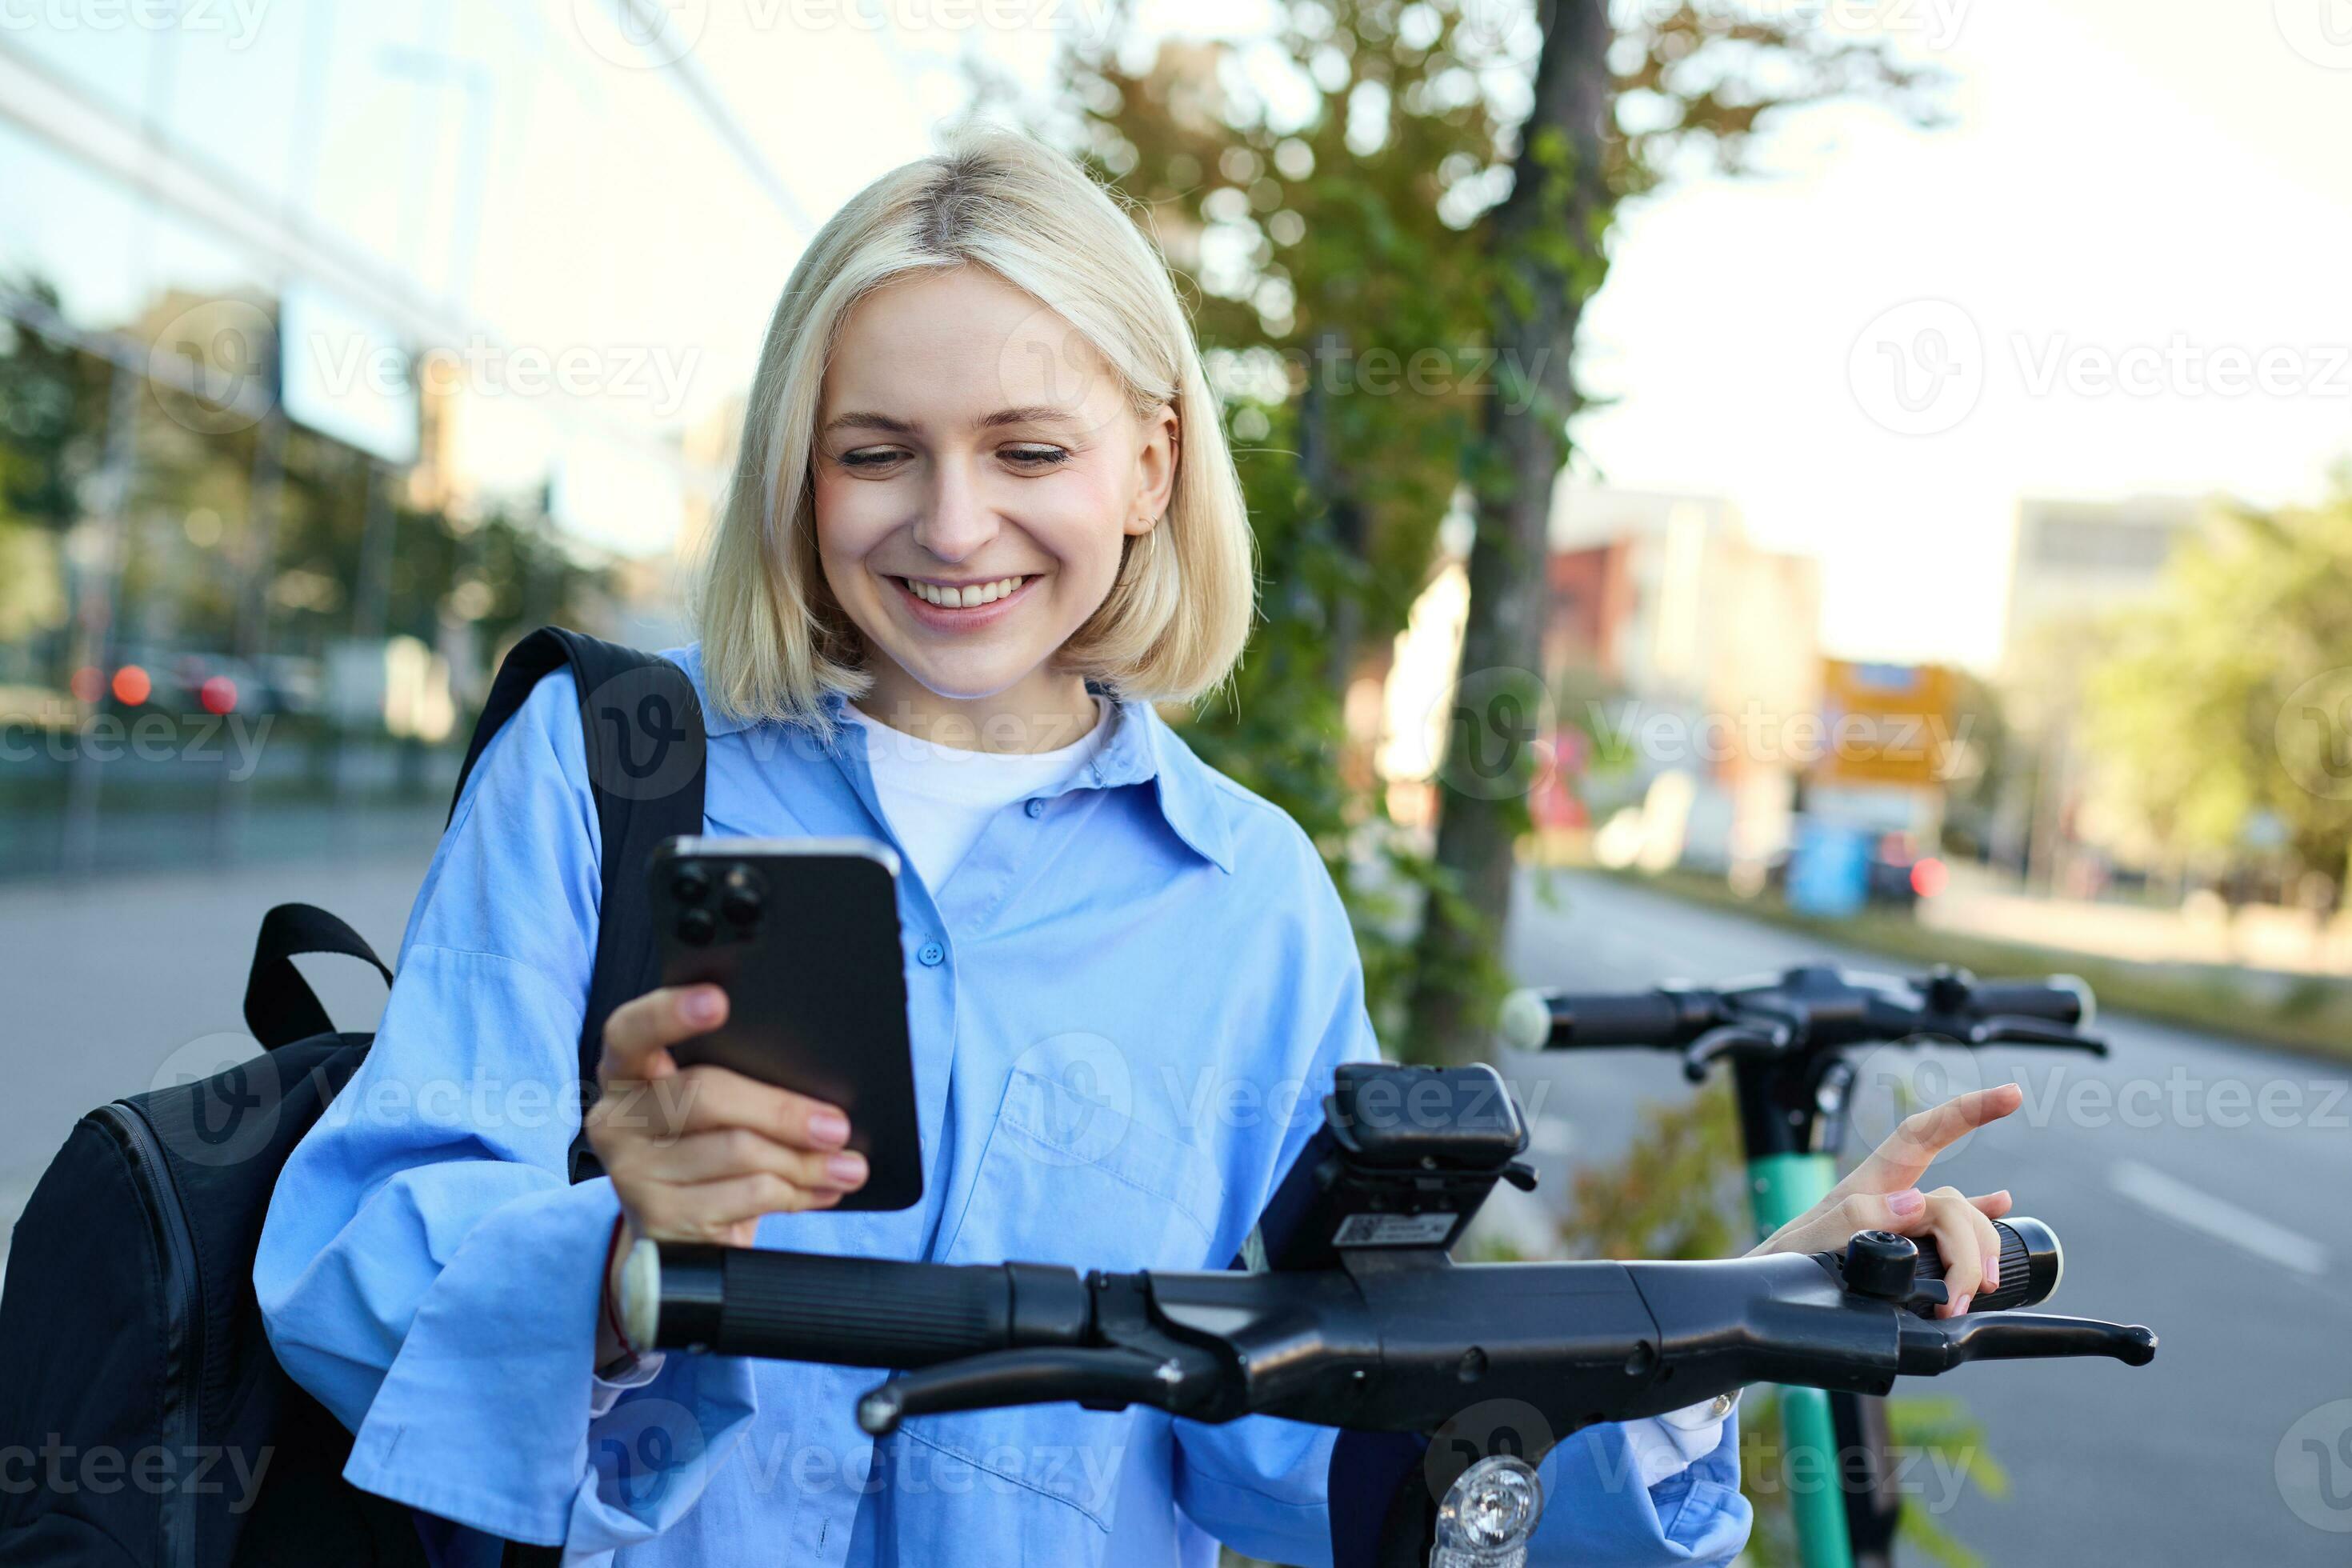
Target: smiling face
976 474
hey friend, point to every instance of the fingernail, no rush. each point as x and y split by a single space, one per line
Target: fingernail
1992 1272
1907 1202
829 1126
849 1169
1961 1305
702 1006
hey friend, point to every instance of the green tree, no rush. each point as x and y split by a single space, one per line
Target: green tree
1321 234
51 399
2226 702
1623 101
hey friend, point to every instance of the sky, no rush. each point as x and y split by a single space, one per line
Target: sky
2121 268
2124 182
2157 192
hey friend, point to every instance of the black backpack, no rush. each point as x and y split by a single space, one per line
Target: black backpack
160 1426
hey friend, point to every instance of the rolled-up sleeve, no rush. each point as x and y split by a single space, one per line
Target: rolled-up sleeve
1597 1512
427 1270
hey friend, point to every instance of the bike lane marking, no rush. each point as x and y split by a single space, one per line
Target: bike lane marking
2222 1220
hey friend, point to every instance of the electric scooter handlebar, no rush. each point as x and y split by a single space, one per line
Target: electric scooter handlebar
1398 1345
1809 1008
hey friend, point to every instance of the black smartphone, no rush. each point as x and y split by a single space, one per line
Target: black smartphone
803 935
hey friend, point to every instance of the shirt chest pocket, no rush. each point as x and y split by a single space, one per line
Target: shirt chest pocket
1072 1180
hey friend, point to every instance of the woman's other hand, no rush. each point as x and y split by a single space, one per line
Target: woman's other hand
1882 1193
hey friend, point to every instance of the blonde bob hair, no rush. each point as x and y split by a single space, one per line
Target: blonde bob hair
774 641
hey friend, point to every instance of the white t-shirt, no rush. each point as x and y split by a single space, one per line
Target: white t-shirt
939 799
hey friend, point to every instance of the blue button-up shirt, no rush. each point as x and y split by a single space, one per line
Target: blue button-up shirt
1125 1004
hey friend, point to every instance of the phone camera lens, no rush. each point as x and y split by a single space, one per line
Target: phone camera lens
691 885
697 926
739 901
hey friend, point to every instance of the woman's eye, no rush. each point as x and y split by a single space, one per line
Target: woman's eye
1036 456
871 457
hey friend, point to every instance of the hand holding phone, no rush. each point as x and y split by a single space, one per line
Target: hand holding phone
702 1153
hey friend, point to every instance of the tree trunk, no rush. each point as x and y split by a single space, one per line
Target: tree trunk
1546 238
1330 485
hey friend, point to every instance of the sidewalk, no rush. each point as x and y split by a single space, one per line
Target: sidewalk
2287 942
106 980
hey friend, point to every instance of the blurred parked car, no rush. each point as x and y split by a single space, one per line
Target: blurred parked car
1896 875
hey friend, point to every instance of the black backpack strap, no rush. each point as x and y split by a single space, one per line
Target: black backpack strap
280 1005
646 752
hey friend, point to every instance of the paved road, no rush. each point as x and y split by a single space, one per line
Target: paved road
2244 1271
112 983
2183 1206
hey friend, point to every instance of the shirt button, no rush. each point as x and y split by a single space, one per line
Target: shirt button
1035 808
933 954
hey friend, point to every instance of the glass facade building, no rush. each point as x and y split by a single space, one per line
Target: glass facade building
339 342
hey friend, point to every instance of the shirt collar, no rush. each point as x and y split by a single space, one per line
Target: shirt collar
1142 749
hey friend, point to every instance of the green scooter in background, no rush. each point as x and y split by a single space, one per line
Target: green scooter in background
1787 1037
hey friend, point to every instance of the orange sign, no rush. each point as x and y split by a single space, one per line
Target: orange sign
1885 724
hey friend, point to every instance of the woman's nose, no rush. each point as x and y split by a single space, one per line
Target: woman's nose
957 519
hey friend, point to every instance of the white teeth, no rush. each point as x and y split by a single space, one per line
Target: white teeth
963 598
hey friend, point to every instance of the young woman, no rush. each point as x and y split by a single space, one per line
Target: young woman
985 518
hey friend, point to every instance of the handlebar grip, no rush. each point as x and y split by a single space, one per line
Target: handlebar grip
2054 1001
1561 1020
2032 1264
859 1311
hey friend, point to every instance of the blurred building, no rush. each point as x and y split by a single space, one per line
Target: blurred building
1685 653
2076 563
2075 560
340 343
